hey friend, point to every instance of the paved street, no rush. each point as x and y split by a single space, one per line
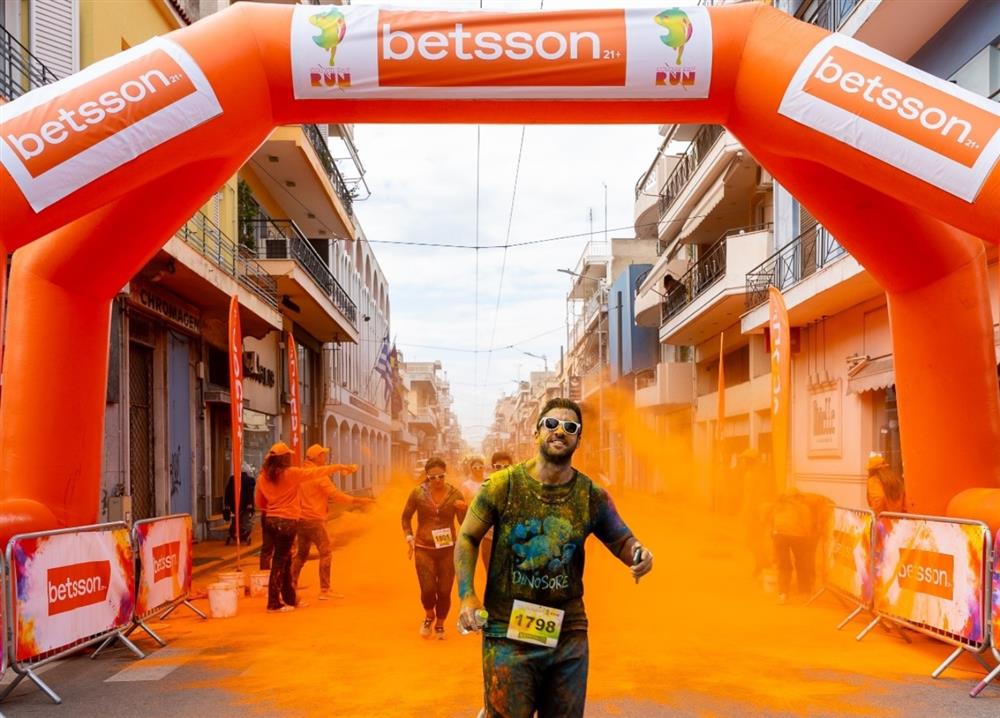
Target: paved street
695 638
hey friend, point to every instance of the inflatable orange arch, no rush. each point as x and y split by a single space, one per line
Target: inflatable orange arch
899 165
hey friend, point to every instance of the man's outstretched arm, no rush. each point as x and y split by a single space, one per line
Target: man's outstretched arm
466 553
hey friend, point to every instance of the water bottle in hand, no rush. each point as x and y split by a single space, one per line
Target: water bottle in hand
479 618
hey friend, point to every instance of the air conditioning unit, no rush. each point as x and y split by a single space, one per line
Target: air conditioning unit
120 509
764 179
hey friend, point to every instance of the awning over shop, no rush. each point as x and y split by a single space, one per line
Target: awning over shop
877 374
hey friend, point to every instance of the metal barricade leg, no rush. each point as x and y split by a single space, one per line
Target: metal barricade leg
815 596
868 629
36 679
993 675
119 636
194 608
149 631
43 686
850 617
982 661
947 662
13 684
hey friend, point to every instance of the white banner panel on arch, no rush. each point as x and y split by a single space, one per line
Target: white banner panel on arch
368 52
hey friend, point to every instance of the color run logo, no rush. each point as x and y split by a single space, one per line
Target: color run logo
927 572
77 585
166 558
903 105
332 27
86 115
429 49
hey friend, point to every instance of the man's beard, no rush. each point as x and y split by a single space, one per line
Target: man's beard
560 459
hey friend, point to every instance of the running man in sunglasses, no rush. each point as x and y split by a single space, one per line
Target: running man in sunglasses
535 649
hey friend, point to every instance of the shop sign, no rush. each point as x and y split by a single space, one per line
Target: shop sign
825 420
166 307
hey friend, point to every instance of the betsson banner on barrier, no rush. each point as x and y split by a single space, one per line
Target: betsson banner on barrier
70 586
164 547
356 52
996 599
849 559
932 573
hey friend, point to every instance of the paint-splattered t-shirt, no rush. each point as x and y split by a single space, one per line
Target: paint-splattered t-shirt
538 546
431 516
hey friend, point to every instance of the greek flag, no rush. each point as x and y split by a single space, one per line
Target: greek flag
383 366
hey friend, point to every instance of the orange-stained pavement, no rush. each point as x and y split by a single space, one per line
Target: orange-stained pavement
695 638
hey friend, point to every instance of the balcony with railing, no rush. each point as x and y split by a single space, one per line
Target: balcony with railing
828 14
20 71
671 385
325 308
688 164
710 293
810 251
239 262
588 317
318 142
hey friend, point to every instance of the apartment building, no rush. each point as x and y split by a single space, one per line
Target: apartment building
726 232
431 419
283 236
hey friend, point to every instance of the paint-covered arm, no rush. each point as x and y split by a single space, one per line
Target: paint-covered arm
407 517
614 533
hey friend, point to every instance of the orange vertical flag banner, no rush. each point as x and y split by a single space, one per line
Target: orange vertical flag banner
721 420
236 408
293 392
781 383
3 297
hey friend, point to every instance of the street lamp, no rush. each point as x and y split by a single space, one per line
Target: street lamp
537 356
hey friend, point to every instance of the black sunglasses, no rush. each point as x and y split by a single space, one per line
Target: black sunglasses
551 423
435 476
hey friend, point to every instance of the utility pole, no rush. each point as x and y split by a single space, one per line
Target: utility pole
605 213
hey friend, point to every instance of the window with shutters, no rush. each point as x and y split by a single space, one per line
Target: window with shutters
53 31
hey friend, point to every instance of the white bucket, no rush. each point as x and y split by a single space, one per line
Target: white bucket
258 583
222 601
237 578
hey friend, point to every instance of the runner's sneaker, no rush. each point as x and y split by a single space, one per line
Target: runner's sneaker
325 596
425 628
283 609
439 632
301 604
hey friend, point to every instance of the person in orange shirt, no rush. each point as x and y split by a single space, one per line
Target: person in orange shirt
315 495
885 488
277 493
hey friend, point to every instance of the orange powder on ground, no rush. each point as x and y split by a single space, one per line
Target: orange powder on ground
697 633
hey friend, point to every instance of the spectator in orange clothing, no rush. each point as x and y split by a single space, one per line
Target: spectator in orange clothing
315 495
886 491
793 532
278 493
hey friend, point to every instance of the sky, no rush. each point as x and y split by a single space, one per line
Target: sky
423 180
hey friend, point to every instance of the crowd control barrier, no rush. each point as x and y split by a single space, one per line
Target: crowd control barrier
849 560
932 576
66 590
994 621
164 548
